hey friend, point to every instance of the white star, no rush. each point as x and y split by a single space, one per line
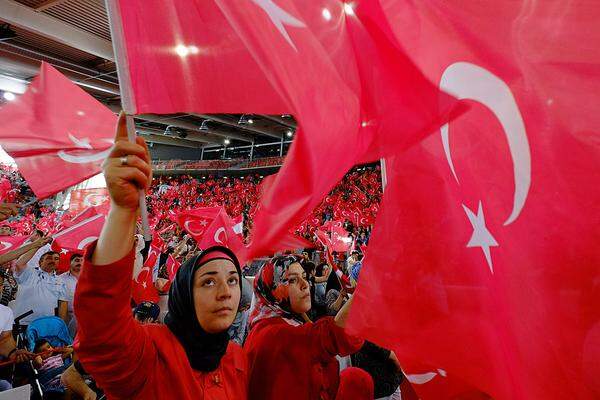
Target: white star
481 235
144 284
64 251
203 222
280 17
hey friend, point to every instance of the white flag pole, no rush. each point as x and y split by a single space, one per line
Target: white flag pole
127 98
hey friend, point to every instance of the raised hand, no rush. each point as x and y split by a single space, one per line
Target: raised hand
127 169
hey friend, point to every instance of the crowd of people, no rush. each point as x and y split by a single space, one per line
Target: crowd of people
270 329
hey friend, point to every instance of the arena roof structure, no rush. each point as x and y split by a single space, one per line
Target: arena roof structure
74 36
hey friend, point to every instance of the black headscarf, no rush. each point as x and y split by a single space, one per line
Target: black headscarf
204 350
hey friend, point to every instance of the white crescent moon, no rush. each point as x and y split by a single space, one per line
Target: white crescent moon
90 201
420 379
86 241
470 81
217 233
83 156
186 225
139 273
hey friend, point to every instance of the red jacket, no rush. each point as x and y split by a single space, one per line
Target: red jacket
131 361
296 362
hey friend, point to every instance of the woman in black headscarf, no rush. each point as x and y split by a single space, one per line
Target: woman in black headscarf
190 357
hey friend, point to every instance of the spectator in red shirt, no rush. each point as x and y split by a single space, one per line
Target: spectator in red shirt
190 357
289 358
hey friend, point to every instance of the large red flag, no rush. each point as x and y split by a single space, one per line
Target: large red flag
197 222
78 236
358 87
482 271
57 133
8 243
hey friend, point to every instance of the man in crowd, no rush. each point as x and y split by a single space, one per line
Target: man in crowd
69 279
40 289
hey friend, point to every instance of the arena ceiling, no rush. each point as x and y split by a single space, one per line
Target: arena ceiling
74 36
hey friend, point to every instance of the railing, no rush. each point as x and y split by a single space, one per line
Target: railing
216 164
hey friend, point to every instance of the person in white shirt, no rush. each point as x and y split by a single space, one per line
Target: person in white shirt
40 289
69 279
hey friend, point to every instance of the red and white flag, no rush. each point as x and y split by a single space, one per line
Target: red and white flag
8 243
142 288
78 236
172 267
57 133
197 222
366 93
482 270
84 198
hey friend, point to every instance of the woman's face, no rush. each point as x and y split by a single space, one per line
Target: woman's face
216 295
299 290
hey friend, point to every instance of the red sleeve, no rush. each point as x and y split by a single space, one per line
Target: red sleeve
325 338
112 346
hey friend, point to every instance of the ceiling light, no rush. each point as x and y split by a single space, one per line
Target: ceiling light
250 121
326 14
226 141
204 126
9 96
289 133
349 8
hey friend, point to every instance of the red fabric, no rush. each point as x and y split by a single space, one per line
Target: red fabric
8 243
374 112
84 198
172 267
355 384
56 132
131 361
494 288
143 288
296 362
80 235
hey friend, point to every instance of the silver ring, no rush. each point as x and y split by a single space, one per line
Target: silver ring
123 160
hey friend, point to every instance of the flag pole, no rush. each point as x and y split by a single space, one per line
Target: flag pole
127 100
143 207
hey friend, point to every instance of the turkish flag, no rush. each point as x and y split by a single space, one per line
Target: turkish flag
153 255
197 222
78 236
8 243
485 251
142 288
221 233
56 132
365 92
336 238
172 267
84 198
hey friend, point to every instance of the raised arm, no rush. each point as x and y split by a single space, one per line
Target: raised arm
112 346
24 260
30 247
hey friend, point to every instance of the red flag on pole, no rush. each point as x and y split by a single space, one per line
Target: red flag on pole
367 93
8 243
78 236
84 198
57 133
143 287
172 267
486 246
